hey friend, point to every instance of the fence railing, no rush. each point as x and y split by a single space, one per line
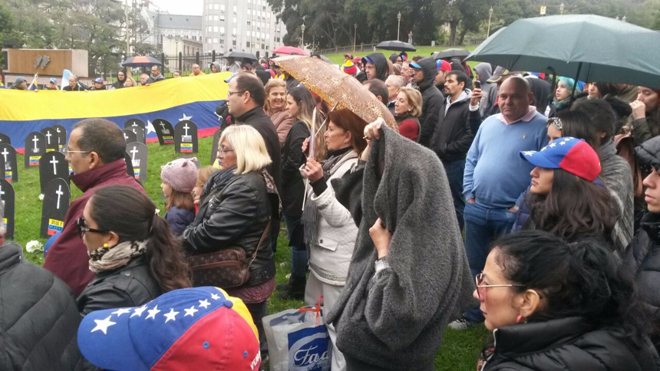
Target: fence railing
360 48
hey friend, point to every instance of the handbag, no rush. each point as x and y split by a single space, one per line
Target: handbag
226 268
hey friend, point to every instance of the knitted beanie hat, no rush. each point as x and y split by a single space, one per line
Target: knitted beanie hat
350 68
180 174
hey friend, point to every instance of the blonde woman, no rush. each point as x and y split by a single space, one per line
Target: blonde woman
235 209
129 83
300 104
407 109
275 108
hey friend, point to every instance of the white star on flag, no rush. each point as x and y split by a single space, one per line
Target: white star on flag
153 312
171 315
215 297
150 127
185 117
528 153
543 149
121 311
562 143
552 145
103 324
138 311
204 303
191 311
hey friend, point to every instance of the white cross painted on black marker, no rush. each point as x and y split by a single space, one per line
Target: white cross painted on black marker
162 125
125 136
186 127
48 135
54 162
5 153
134 124
133 152
2 193
59 193
35 140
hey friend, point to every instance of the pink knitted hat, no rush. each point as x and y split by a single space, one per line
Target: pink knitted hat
180 174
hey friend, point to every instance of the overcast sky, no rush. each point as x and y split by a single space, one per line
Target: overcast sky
188 7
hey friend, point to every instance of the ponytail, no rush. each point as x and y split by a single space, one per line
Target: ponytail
165 257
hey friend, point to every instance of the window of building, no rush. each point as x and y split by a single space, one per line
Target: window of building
215 40
216 6
210 6
248 23
234 19
222 18
215 18
263 46
233 42
222 30
247 44
208 40
222 8
235 9
233 31
215 28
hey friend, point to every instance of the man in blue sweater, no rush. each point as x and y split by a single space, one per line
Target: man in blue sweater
495 175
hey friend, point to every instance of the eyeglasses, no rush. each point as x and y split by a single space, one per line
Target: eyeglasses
223 151
230 93
83 228
66 151
479 279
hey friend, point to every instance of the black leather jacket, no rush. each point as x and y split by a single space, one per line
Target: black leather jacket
129 286
234 213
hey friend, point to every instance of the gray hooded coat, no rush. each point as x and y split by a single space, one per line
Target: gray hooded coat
396 319
488 89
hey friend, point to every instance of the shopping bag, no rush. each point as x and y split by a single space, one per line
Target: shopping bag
298 340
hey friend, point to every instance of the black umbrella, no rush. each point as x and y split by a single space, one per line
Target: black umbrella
396 45
141 61
241 56
451 53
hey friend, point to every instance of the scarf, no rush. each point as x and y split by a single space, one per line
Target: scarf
310 214
110 258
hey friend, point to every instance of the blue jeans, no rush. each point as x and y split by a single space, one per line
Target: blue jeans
296 232
454 171
483 225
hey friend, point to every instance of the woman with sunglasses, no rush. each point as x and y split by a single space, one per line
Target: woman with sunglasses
131 251
552 305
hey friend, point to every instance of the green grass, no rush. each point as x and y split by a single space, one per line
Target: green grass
421 50
458 352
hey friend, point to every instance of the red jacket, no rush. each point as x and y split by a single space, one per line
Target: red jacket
67 258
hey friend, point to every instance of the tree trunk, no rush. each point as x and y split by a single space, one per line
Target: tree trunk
461 37
453 25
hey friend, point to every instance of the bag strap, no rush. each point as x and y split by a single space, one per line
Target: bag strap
261 240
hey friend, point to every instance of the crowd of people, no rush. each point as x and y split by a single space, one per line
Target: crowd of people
498 203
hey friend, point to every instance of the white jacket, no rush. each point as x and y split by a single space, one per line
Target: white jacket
330 254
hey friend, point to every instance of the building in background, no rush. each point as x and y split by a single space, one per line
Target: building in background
241 25
173 45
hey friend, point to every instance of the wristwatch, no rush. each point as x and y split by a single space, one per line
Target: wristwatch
382 264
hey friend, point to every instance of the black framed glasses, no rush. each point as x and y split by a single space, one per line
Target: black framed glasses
83 228
230 93
222 151
479 279
66 151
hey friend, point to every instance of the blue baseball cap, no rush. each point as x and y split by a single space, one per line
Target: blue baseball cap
570 154
98 80
415 65
53 80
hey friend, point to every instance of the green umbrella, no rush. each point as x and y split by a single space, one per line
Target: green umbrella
587 47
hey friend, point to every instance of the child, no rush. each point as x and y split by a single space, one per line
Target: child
203 175
178 180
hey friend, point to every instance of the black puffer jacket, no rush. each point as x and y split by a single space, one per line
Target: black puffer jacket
129 286
643 259
380 62
453 137
432 101
38 317
234 214
569 344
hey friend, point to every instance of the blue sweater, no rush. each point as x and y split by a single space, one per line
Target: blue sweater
495 174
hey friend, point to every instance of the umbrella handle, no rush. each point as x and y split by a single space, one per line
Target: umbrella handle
324 121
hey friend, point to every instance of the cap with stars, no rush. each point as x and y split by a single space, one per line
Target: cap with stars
567 153
199 328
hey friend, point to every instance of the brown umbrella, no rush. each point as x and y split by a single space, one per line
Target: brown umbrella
337 88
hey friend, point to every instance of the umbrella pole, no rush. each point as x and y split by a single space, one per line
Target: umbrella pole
575 83
312 148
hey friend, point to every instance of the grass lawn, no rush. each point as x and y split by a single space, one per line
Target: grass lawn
421 50
459 350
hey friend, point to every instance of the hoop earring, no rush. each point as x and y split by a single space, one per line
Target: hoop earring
519 318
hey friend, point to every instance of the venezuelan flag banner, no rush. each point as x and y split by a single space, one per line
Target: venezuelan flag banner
186 98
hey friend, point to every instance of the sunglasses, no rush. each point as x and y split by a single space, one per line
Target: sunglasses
83 228
479 279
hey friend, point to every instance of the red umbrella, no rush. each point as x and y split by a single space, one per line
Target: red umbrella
141 61
289 50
